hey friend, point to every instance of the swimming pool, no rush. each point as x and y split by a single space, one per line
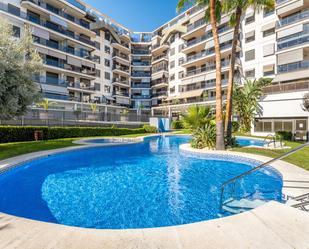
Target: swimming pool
143 185
248 141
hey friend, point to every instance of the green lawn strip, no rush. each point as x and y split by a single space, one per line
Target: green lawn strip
8 150
300 158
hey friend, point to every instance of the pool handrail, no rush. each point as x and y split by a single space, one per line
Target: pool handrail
272 139
234 179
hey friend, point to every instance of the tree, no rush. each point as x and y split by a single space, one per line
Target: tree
237 8
45 104
213 15
19 62
246 105
196 117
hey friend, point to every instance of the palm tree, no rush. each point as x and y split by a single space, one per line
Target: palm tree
246 101
213 15
196 117
237 8
45 104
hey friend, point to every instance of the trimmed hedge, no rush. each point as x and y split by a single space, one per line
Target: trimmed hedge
284 135
26 133
177 124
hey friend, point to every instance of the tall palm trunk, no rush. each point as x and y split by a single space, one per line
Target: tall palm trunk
219 119
229 104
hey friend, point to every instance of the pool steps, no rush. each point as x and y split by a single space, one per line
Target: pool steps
242 205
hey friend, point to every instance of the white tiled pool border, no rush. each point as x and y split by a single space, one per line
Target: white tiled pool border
272 225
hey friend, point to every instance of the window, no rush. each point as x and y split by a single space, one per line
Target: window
250 19
172 39
52 78
52 8
172 89
107 49
172 77
107 89
107 63
107 75
97 73
250 55
262 126
268 12
250 36
107 36
250 73
268 32
172 52
180 75
172 64
180 61
97 86
16 31
180 47
13 10
97 45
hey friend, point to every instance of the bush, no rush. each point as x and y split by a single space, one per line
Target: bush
150 129
284 135
177 125
204 137
26 133
235 126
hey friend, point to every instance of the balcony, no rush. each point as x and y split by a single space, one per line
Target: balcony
121 82
295 66
293 40
205 53
293 18
121 69
287 87
140 52
51 81
48 25
141 63
121 46
159 83
162 94
62 65
81 87
82 23
159 69
141 74
159 58
77 52
140 96
206 69
122 57
121 94
140 85
159 48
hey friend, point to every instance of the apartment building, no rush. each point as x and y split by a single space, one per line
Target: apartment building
90 58
282 106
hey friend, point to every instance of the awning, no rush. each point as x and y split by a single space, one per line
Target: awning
40 33
186 95
74 62
290 57
108 97
268 68
57 54
176 28
269 26
291 76
58 20
249 34
88 64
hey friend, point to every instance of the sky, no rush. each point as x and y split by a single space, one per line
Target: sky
137 15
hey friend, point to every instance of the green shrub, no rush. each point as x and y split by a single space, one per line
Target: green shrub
284 135
204 137
235 126
177 125
150 129
26 133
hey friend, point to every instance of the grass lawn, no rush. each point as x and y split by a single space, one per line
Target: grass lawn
8 150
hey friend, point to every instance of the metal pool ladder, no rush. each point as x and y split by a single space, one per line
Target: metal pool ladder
234 179
272 139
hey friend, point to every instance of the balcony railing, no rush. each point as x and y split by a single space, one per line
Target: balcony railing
135 51
121 68
206 69
124 82
77 52
141 74
77 4
43 23
43 5
158 82
160 69
295 66
140 96
141 85
81 85
121 55
293 18
293 40
287 87
119 93
159 94
197 24
142 64
51 81
207 52
159 58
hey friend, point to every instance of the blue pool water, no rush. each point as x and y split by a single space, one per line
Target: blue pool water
149 184
246 141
